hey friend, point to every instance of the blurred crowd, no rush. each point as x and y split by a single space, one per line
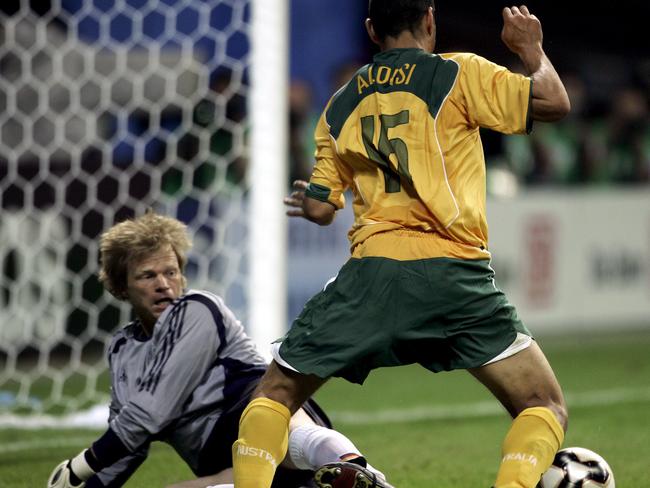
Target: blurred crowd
599 143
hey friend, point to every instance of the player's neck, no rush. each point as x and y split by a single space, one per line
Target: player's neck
406 40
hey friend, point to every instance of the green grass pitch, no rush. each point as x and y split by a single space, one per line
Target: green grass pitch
429 431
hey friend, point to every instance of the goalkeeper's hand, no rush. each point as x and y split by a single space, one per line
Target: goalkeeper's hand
71 473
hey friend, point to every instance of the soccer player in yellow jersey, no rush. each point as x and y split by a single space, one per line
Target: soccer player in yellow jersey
403 136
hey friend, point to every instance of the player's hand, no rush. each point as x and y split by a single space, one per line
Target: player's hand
60 477
522 31
294 201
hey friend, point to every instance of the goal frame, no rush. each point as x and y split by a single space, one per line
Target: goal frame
269 159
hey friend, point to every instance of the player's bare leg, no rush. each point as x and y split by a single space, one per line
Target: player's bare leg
264 425
287 387
526 386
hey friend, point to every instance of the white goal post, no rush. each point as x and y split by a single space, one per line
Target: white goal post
110 108
269 139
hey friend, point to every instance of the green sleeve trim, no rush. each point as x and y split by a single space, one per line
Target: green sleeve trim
318 192
529 111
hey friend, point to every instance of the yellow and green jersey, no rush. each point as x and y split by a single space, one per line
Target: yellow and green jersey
403 135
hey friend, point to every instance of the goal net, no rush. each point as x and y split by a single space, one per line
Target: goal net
108 108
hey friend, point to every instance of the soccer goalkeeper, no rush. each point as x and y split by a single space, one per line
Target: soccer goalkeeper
182 372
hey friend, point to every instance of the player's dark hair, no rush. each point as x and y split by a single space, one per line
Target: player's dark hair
391 17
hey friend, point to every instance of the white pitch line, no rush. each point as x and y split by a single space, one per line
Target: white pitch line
394 416
94 418
45 444
483 408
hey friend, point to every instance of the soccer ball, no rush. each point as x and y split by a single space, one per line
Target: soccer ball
577 467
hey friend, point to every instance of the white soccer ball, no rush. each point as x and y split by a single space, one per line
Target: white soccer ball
577 467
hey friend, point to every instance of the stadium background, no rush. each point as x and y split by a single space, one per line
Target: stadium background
98 123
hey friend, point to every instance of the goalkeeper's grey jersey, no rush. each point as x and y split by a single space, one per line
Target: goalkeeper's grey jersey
174 385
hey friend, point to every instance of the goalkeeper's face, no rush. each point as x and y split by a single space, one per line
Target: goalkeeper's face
153 283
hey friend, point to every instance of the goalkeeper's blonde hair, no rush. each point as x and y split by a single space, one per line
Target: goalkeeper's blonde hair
135 239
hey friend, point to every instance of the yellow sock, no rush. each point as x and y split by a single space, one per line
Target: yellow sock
529 448
262 443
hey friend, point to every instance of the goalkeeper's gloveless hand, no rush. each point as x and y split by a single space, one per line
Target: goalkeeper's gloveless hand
71 473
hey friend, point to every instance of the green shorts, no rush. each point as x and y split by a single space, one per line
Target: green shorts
441 313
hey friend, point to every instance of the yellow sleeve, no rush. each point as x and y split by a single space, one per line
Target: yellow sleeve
330 176
495 97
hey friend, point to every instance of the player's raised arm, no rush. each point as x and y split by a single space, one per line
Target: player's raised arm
522 33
